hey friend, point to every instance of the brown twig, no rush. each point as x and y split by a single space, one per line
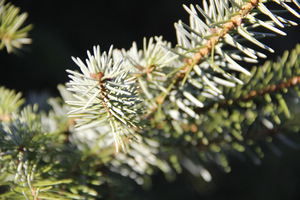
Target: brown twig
252 94
99 77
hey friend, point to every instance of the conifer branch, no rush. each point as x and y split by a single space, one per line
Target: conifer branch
168 109
105 95
10 101
216 32
13 34
268 89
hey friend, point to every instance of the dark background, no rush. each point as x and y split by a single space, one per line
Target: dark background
68 28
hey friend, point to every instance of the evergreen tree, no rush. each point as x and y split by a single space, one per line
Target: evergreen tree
126 115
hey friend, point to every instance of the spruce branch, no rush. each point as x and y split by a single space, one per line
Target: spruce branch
201 105
10 102
203 68
104 95
269 89
24 151
246 127
251 115
13 34
36 160
201 43
150 67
